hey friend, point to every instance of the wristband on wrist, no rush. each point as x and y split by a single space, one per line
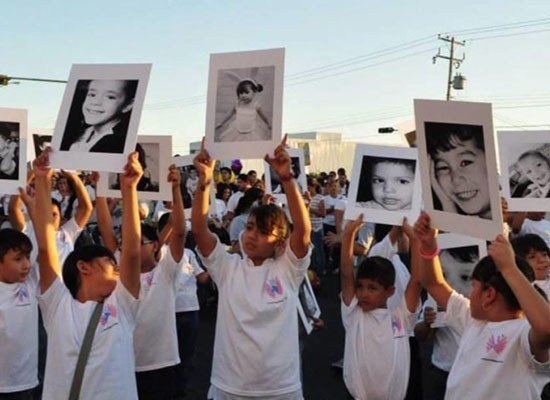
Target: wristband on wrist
429 254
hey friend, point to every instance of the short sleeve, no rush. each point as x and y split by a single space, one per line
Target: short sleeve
71 229
218 261
347 311
384 248
538 366
168 266
458 312
298 265
126 301
50 300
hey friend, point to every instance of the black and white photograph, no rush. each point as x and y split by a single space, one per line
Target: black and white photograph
13 150
385 184
525 169
40 143
99 116
457 155
459 255
244 104
154 155
308 308
273 183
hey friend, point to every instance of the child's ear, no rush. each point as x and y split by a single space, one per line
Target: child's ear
390 291
128 107
489 297
83 267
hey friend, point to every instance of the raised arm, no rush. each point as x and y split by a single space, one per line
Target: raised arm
15 212
414 287
177 217
48 258
85 207
347 279
430 268
206 241
301 232
534 306
104 220
130 252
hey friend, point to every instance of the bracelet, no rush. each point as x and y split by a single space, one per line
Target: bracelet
286 178
429 255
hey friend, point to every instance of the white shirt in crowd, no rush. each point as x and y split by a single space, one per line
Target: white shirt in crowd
377 353
256 344
19 334
186 295
335 203
233 201
155 336
494 355
541 228
110 367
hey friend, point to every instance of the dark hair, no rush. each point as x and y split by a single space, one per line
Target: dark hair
251 172
149 232
243 177
246 201
488 274
142 158
525 243
220 188
5 131
71 275
464 254
341 171
225 169
442 137
378 269
271 218
163 221
57 204
535 153
248 84
11 239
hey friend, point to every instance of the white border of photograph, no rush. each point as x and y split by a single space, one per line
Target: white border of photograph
165 188
378 215
456 112
452 240
512 144
308 324
301 180
244 59
19 116
99 161
182 161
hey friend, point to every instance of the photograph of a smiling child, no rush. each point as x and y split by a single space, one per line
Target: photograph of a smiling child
530 174
458 169
99 116
386 183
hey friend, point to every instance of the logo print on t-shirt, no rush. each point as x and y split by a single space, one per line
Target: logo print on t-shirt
273 287
397 326
109 311
149 279
496 344
22 295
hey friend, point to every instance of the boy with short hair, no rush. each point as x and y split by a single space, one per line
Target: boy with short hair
90 276
19 311
377 353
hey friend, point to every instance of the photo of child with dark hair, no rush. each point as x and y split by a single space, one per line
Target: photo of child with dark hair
9 150
249 116
386 183
458 264
276 185
458 169
40 143
530 175
148 157
99 116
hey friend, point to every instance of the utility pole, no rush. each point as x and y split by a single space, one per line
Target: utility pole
452 60
5 80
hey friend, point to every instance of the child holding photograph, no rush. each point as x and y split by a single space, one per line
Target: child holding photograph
458 170
504 326
245 125
105 115
256 352
391 182
536 168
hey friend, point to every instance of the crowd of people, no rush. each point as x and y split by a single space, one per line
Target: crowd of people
116 282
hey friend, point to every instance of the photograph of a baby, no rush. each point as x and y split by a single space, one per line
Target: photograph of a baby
244 104
529 176
9 150
99 116
458 169
386 183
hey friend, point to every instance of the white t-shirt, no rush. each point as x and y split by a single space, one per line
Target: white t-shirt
19 334
256 345
237 225
186 295
155 336
338 203
233 201
494 358
541 228
110 367
65 238
377 354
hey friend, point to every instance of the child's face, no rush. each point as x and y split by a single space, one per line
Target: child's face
247 95
372 295
462 174
15 266
104 274
257 244
105 101
536 169
457 273
540 262
392 185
